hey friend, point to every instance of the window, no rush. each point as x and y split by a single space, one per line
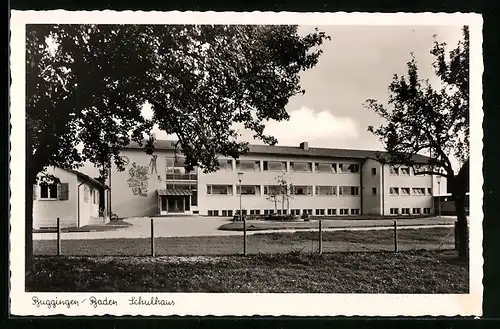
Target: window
344 211
248 165
248 189
320 212
268 211
394 191
48 191
220 189
325 167
226 164
301 190
272 189
354 211
301 166
405 211
213 213
374 191
348 190
175 168
349 168
394 211
418 191
332 212
427 211
374 171
416 211
295 212
274 165
429 191
326 190
95 196
285 211
393 171
254 212
307 211
224 213
405 191
279 211
405 171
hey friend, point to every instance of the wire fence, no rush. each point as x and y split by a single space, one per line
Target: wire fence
317 239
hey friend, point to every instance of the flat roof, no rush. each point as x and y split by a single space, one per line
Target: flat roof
296 151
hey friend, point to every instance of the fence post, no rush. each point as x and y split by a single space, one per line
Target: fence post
244 237
395 237
58 237
152 238
456 235
320 238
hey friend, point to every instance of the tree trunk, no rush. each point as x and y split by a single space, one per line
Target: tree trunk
463 229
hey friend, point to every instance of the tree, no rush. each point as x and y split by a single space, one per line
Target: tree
281 193
87 84
422 118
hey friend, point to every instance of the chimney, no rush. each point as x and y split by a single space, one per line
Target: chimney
304 146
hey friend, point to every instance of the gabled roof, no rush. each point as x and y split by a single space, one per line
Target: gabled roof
297 151
87 178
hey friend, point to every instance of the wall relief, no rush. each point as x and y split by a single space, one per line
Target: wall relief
138 179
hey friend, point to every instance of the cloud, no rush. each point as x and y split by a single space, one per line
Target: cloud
319 128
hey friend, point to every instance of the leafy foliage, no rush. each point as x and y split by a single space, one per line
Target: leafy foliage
421 118
87 85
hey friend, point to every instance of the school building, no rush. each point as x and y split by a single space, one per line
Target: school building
320 181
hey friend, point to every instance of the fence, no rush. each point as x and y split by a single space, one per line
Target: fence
318 239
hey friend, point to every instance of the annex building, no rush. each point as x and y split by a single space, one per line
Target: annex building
324 181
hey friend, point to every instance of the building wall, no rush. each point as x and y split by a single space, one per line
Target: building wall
262 178
372 204
46 212
133 191
406 201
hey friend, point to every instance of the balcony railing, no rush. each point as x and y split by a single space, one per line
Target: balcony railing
182 176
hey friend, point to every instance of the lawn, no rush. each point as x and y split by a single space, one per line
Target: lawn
305 241
254 225
295 272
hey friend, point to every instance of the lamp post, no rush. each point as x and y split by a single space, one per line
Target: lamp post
438 178
240 176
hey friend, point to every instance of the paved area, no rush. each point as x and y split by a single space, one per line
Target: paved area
208 226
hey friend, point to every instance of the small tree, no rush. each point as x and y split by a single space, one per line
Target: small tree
281 192
421 119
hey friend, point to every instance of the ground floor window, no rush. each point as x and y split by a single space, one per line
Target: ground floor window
416 211
332 212
354 211
307 211
344 211
227 213
394 211
405 211
268 211
213 213
320 212
295 212
48 191
427 211
255 212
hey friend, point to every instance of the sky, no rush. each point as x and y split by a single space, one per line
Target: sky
357 63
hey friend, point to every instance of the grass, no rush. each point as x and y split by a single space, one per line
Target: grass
305 241
295 272
334 223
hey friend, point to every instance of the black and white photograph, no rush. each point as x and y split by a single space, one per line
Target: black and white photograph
301 164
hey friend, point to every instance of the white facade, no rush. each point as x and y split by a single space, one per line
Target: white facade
75 201
147 186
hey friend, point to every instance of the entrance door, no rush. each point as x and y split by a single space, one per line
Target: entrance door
175 204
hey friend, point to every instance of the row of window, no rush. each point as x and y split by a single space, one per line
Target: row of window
409 191
406 211
294 166
404 171
273 190
293 212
